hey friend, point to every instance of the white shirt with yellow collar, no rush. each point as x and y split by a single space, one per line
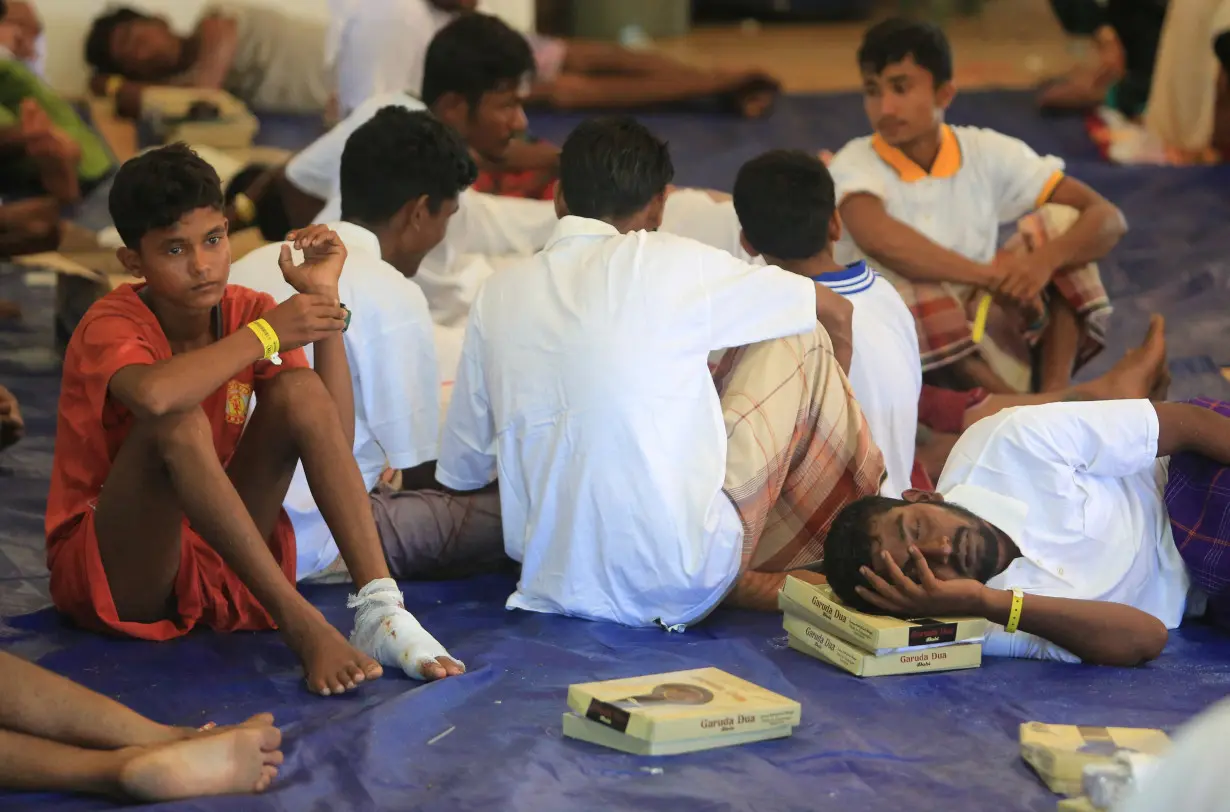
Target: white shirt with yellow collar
584 387
980 180
1079 488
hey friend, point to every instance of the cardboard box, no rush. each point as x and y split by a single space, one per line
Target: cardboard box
1060 753
682 705
818 642
876 633
164 111
576 727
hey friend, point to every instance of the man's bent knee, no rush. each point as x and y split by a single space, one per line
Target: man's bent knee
293 391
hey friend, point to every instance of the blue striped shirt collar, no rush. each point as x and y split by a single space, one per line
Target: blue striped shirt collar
854 278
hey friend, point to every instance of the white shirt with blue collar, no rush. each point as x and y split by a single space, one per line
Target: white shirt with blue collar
1086 509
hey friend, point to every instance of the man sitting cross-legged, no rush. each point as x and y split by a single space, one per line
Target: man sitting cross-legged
402 174
165 509
56 736
632 488
1091 519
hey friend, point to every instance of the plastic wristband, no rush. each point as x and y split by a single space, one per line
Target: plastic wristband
1014 616
268 338
346 325
980 319
245 208
112 89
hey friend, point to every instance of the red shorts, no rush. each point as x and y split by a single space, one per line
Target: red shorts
944 410
207 592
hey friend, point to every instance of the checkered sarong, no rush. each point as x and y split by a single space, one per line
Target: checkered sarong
798 447
944 312
1198 501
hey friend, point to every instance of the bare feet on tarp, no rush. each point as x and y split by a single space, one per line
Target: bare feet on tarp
330 664
756 95
224 761
1140 373
12 426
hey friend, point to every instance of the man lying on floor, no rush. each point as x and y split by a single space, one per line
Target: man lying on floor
271 60
402 174
925 201
56 736
1083 525
165 509
631 488
783 210
472 83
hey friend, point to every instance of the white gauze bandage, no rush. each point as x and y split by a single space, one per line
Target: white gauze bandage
386 632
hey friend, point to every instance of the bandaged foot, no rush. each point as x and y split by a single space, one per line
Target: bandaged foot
384 630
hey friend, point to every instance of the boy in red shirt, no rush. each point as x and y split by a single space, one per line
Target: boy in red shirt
165 509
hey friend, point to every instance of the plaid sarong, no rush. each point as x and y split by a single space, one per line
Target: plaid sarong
944 312
798 447
1198 501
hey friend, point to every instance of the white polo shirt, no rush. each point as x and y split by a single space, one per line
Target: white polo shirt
884 373
584 387
485 231
1079 488
980 180
392 355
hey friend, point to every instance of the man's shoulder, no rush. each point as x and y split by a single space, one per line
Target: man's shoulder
856 152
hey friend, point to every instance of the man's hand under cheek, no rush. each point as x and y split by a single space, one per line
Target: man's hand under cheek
895 593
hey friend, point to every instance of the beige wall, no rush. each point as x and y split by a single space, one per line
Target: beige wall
67 22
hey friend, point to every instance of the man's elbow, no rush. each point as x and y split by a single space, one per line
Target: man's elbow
1136 648
1116 222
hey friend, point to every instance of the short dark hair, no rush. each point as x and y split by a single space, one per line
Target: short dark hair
896 38
785 202
613 167
848 548
156 189
474 55
397 156
98 42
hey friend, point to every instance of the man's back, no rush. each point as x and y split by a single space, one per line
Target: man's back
590 362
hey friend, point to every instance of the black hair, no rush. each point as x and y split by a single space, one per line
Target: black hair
98 42
896 38
474 55
848 548
611 168
156 189
400 155
4 8
785 202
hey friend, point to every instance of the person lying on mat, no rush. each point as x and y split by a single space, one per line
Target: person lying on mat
632 488
270 60
58 736
165 509
779 199
1088 523
471 83
925 201
402 173
21 35
380 48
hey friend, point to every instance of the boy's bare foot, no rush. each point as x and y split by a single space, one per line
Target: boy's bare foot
330 664
9 310
1140 373
240 760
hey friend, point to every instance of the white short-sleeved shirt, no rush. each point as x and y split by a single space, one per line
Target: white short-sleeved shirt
884 373
392 354
485 229
584 387
980 180
1079 488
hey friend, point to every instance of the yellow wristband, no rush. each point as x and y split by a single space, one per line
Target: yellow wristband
114 83
268 338
980 319
1014 616
245 208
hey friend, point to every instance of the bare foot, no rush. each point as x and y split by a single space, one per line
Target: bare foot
241 760
1139 373
9 310
441 668
330 664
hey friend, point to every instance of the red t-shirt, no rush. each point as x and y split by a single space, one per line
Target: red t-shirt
119 330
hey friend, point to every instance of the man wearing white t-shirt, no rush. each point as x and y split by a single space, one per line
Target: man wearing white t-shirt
474 74
925 202
1077 528
632 488
402 173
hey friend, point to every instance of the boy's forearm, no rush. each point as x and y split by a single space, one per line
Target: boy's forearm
1187 427
184 381
1096 231
334 370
